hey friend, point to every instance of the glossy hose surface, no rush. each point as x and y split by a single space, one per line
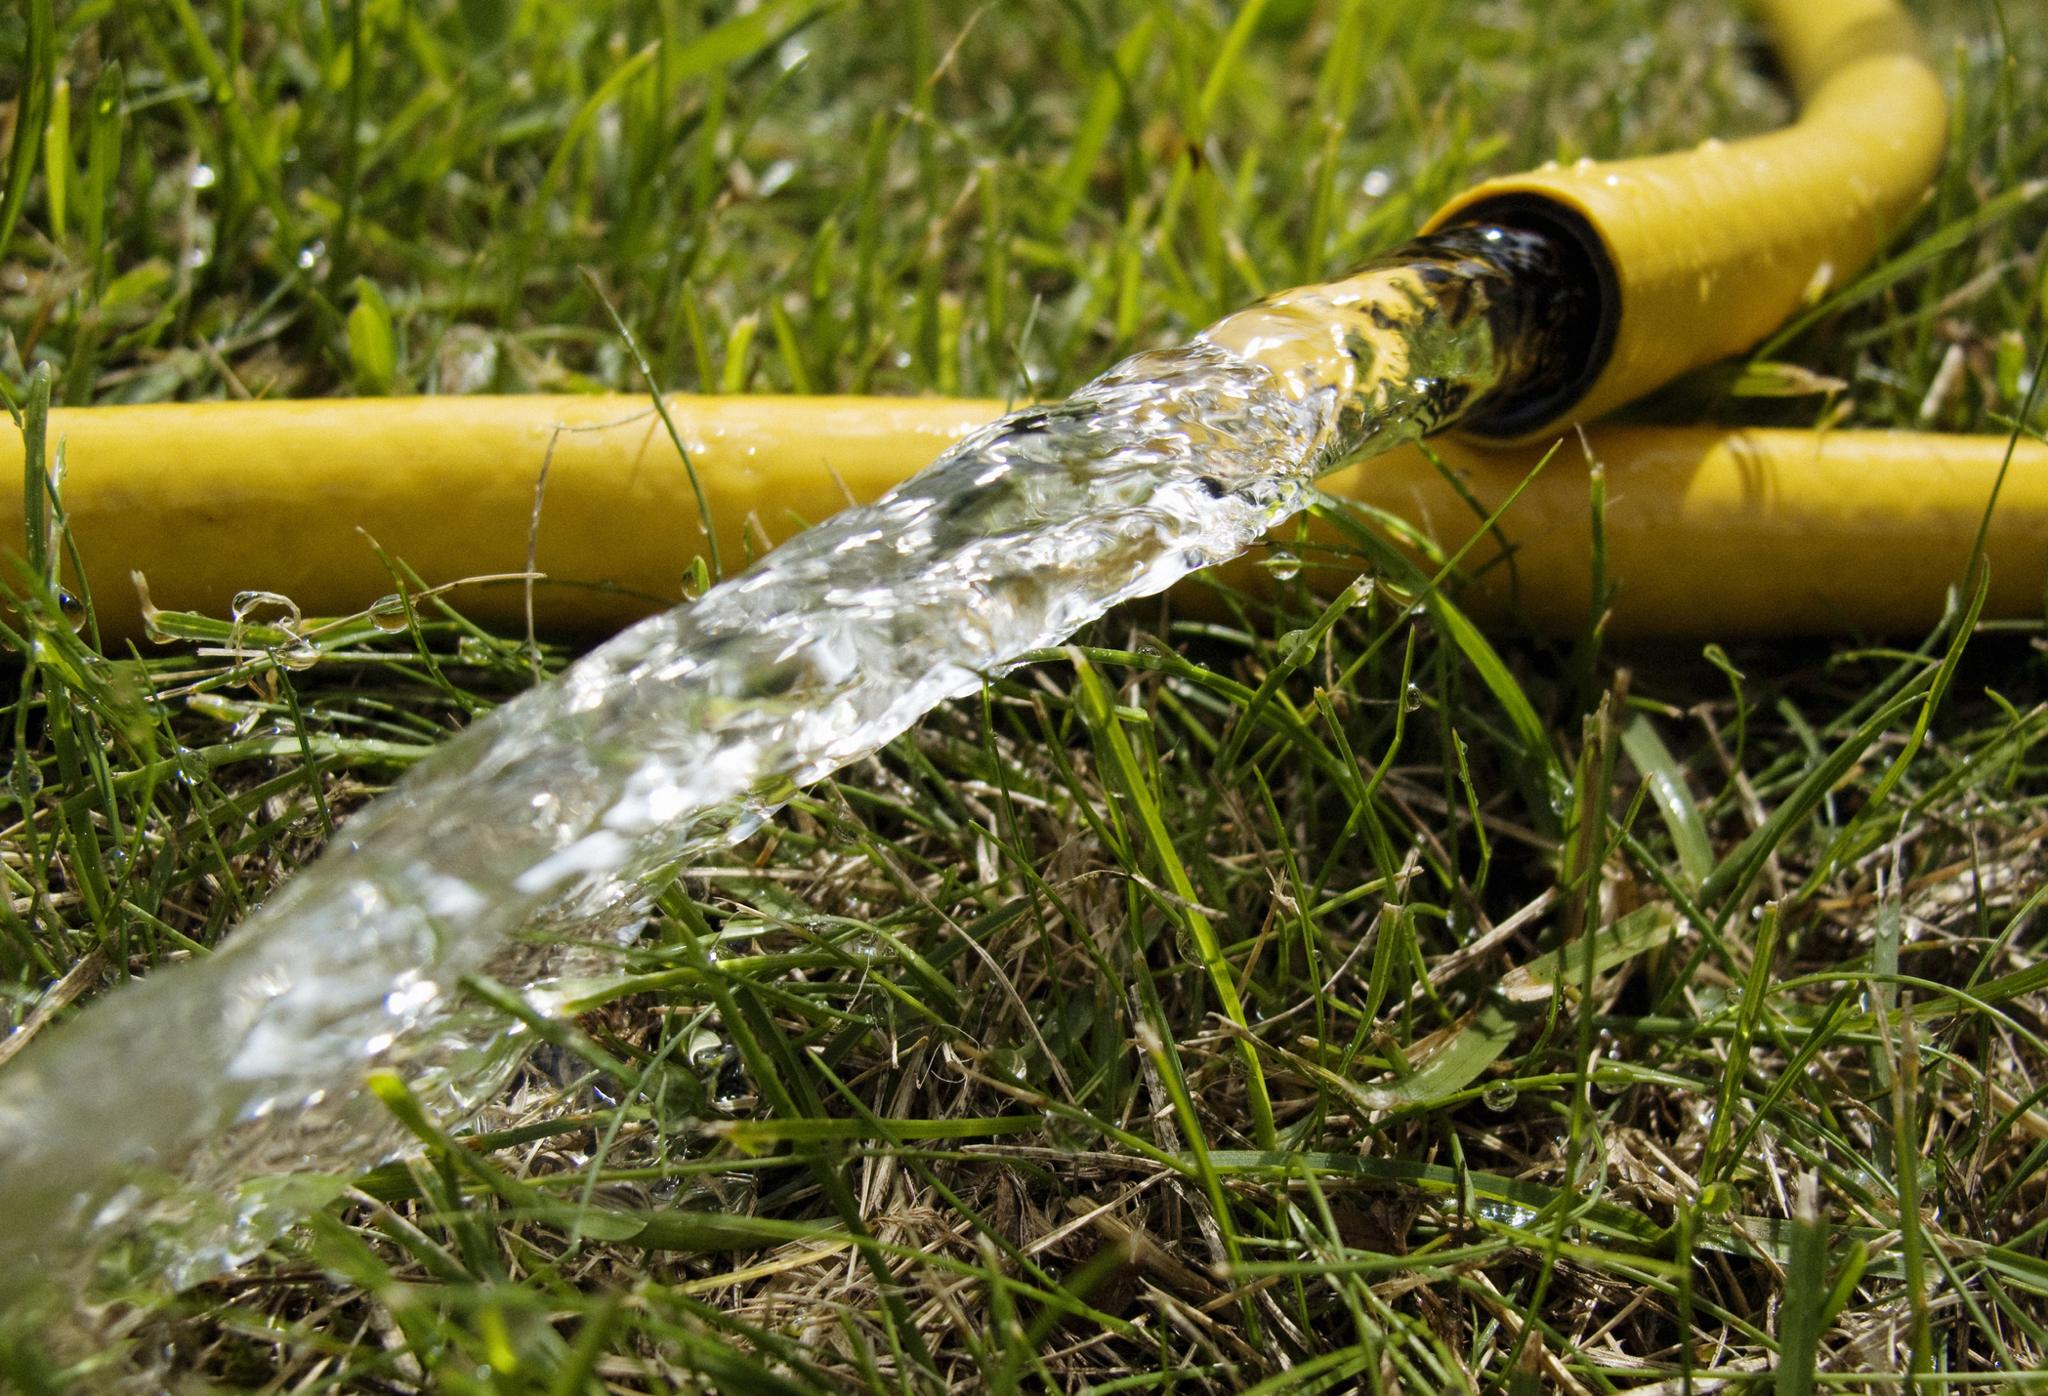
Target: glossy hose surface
1709 532
1713 248
209 499
1723 534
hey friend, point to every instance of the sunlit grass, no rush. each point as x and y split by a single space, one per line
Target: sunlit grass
1654 1017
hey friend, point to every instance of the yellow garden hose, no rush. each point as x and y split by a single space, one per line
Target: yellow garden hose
1707 532
1693 256
1700 254
300 498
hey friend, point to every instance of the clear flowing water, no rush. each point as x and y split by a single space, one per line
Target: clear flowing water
185 1104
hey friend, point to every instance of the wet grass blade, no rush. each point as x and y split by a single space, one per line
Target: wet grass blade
1674 801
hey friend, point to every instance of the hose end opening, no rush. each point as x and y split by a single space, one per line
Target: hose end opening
1575 312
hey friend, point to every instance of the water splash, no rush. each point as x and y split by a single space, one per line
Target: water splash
206 1100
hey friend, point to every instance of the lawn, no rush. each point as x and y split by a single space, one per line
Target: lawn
1723 960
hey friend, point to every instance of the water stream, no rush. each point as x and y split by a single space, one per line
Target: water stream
186 1103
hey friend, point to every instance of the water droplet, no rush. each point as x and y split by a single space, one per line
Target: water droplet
1008 1064
1500 1096
1411 697
26 777
190 770
387 613
254 608
1376 183
203 176
1504 1213
1283 564
310 255
298 655
72 609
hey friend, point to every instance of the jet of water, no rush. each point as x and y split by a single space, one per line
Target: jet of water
179 1102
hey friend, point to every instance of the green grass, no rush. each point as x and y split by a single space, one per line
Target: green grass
1330 998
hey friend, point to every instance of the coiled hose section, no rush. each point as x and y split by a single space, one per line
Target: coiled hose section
1700 254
